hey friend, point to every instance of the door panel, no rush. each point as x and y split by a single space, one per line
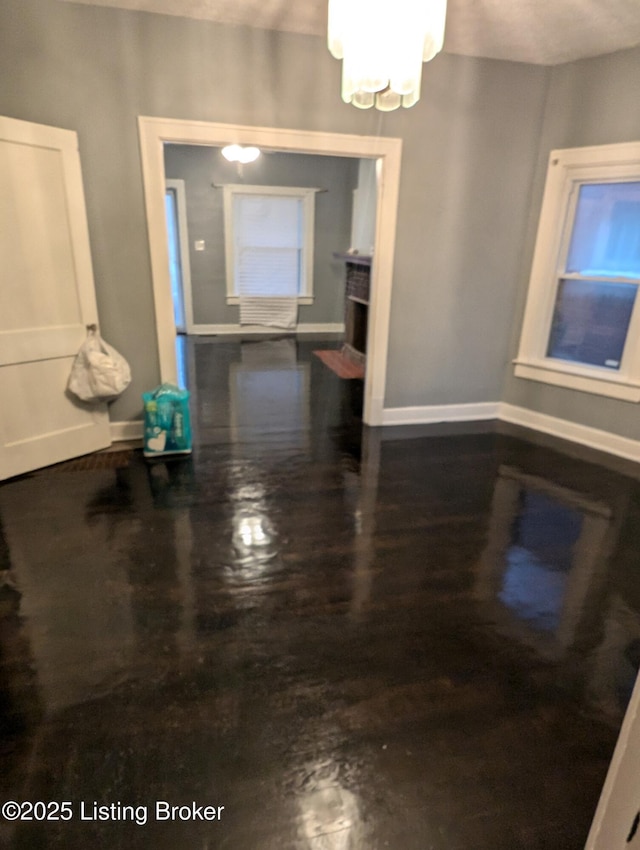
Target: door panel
616 825
37 249
46 299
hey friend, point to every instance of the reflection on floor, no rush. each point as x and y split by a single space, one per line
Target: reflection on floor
349 642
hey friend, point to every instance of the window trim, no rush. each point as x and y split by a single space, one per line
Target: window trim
569 169
307 196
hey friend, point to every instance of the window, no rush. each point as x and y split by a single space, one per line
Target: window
582 321
269 241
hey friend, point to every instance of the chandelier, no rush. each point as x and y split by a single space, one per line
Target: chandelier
382 44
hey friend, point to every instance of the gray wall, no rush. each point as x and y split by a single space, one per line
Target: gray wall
199 167
468 161
592 102
469 156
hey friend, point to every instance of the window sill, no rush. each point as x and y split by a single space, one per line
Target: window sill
580 379
302 299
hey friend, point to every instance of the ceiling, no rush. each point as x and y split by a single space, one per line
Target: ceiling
545 32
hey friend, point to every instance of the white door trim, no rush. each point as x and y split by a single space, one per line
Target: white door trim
155 132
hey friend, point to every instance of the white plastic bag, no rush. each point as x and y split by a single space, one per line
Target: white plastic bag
99 372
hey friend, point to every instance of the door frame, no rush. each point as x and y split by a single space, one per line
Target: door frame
155 132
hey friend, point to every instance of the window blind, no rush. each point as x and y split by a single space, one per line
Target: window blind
268 243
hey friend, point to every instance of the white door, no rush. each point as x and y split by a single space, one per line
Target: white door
46 299
616 825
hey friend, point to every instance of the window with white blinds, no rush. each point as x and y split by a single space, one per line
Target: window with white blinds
269 241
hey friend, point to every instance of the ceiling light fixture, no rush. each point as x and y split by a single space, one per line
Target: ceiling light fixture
236 153
383 44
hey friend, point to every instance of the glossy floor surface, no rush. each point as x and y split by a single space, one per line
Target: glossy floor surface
349 641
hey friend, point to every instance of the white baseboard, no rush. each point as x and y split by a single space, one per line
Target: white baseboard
431 414
593 438
307 328
126 430
584 435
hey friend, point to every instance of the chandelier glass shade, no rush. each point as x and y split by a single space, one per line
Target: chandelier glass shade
382 44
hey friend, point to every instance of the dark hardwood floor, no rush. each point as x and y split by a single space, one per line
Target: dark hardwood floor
416 639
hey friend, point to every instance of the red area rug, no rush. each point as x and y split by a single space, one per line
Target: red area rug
343 366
